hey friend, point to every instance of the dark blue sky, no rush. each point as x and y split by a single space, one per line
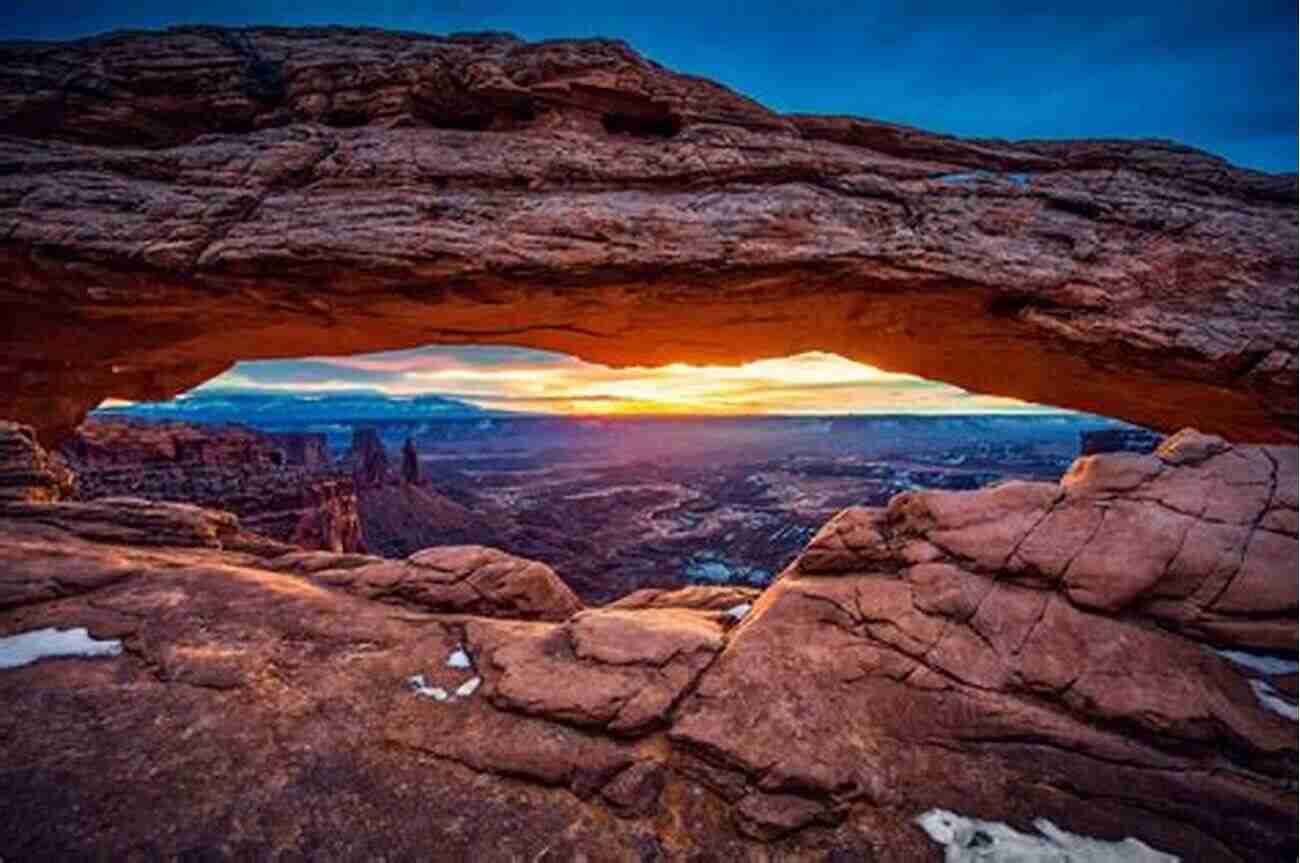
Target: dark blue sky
1217 75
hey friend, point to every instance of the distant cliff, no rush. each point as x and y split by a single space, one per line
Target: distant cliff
280 485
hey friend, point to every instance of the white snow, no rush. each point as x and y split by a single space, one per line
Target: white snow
417 684
738 612
1261 662
969 840
458 658
1268 697
27 647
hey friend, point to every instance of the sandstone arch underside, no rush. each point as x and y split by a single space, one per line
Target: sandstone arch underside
173 202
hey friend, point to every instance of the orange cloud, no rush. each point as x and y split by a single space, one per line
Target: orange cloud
521 379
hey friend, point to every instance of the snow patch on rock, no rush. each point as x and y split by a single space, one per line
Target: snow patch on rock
969 840
28 647
1270 698
1261 662
459 658
417 684
738 612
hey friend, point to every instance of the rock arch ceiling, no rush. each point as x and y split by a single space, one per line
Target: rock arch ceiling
173 202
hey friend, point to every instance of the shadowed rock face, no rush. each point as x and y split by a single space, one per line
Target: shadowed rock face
971 658
278 485
27 472
171 202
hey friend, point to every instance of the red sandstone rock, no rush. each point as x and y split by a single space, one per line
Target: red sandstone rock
465 579
852 697
27 472
971 646
618 671
574 196
702 597
369 459
277 484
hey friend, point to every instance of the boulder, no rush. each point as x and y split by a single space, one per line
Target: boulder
620 671
466 579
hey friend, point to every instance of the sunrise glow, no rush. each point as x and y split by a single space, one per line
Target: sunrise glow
540 381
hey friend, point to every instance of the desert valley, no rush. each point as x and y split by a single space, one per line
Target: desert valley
613 504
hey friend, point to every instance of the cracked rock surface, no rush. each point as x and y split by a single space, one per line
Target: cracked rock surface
468 579
953 651
171 202
1024 647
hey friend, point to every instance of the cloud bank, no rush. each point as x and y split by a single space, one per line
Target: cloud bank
522 379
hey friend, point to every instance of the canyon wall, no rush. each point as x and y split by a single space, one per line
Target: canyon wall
281 486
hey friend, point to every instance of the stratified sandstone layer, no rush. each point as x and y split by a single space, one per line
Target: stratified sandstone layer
281 486
172 202
978 652
27 472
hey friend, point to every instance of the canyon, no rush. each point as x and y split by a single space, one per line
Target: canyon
615 504
278 485
1113 651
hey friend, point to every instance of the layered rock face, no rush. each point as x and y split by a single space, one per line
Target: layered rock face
277 484
306 449
102 443
27 472
172 202
399 513
369 459
919 673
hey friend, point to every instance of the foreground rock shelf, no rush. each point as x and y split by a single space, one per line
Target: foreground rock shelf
980 653
172 202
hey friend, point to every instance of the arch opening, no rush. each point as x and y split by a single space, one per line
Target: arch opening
619 478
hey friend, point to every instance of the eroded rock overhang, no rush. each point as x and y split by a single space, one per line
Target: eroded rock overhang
172 202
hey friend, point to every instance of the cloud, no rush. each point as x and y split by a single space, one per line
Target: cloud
544 381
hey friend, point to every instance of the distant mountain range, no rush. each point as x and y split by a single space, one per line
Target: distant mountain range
276 410
443 421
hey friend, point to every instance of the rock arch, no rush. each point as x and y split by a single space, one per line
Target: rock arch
172 202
